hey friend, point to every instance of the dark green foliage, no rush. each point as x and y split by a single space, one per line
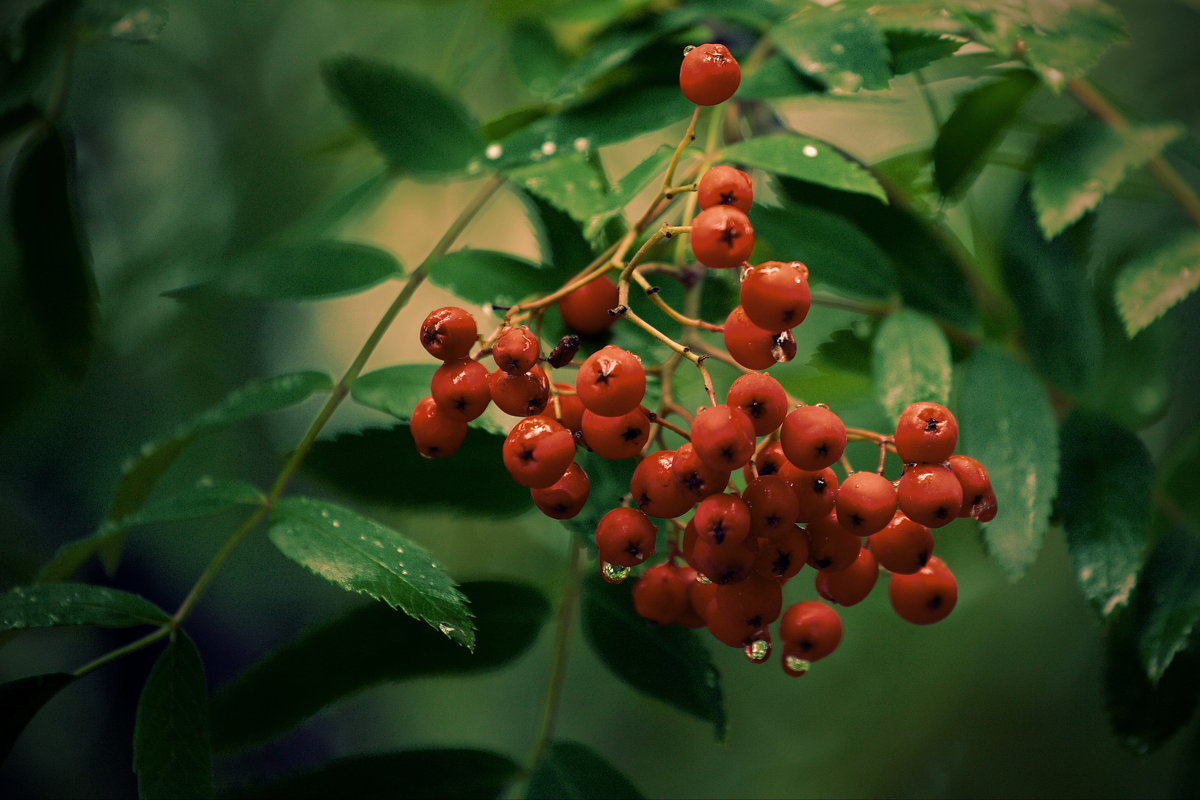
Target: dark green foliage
570 769
58 604
21 699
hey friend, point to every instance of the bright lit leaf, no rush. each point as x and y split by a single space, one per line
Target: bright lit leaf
910 362
1154 282
805 158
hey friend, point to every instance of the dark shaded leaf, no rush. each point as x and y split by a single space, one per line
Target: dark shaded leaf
431 774
58 604
1154 282
1104 499
1177 478
306 675
52 252
536 58
979 121
20 700
382 466
570 183
572 770
914 50
561 240
172 754
776 77
416 127
312 271
488 276
1168 602
806 159
361 555
910 362
665 662
1007 423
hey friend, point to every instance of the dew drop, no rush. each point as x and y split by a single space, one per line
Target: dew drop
336 524
837 48
612 573
549 148
582 143
399 549
403 572
377 543
494 151
702 578
795 666
446 629
810 151
758 651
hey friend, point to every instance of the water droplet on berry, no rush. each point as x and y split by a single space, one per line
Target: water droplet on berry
549 148
612 573
702 578
758 651
795 666
689 49
810 151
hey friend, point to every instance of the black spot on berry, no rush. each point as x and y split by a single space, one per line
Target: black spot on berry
728 236
819 485
934 603
631 434
526 454
781 563
931 425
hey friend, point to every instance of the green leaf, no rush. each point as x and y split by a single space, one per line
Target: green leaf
776 77
20 700
488 276
1152 283
570 183
914 50
535 57
1104 499
1177 478
361 555
1168 601
573 770
302 677
561 240
416 127
394 390
668 662
312 271
840 47
58 604
53 260
381 466
910 362
1065 40
836 251
1007 423
1085 162
1049 285
429 773
1143 714
172 755
978 123
650 169
804 158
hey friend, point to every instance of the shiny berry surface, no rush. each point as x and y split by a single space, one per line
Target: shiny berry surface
709 74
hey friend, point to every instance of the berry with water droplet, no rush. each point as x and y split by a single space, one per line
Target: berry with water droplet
776 294
926 433
761 398
566 497
520 395
903 546
709 74
616 437
516 350
625 537
537 451
810 631
865 503
436 432
460 388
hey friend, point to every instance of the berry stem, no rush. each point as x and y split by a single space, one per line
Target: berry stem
688 137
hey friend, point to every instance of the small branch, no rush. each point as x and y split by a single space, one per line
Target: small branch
688 137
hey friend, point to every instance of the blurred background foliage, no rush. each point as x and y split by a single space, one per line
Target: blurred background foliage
200 133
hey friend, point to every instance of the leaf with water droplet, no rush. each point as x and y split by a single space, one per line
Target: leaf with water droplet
570 769
910 362
838 46
667 662
21 699
58 604
304 676
172 755
792 155
1006 422
1152 283
341 555
140 25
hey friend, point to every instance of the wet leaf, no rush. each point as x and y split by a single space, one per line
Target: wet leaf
665 662
571 184
299 679
364 556
20 700
489 276
910 362
1152 283
1104 499
914 50
838 46
804 158
570 769
59 604
172 755
1007 423
394 390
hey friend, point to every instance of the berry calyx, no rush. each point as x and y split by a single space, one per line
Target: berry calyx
616 437
585 310
776 295
709 74
724 185
783 555
722 237
695 478
611 382
449 333
722 519
926 433
537 451
773 505
927 595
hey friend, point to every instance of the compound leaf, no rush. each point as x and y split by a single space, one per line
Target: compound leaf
57 604
362 555
668 663
570 769
1104 499
804 158
1151 284
172 754
306 675
910 362
1006 422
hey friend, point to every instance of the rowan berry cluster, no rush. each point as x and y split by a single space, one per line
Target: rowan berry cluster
750 497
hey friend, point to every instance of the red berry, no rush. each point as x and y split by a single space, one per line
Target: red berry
725 186
750 345
809 632
625 537
783 555
816 492
930 494
903 546
737 611
723 437
926 433
830 546
979 499
866 502
616 437
722 237
813 437
709 74
537 451
724 564
849 586
516 350
437 433
699 596
695 478
654 489
761 398
926 596
659 596
460 388
770 461
722 519
520 395
773 505
566 497
449 333
611 382
585 310
776 295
